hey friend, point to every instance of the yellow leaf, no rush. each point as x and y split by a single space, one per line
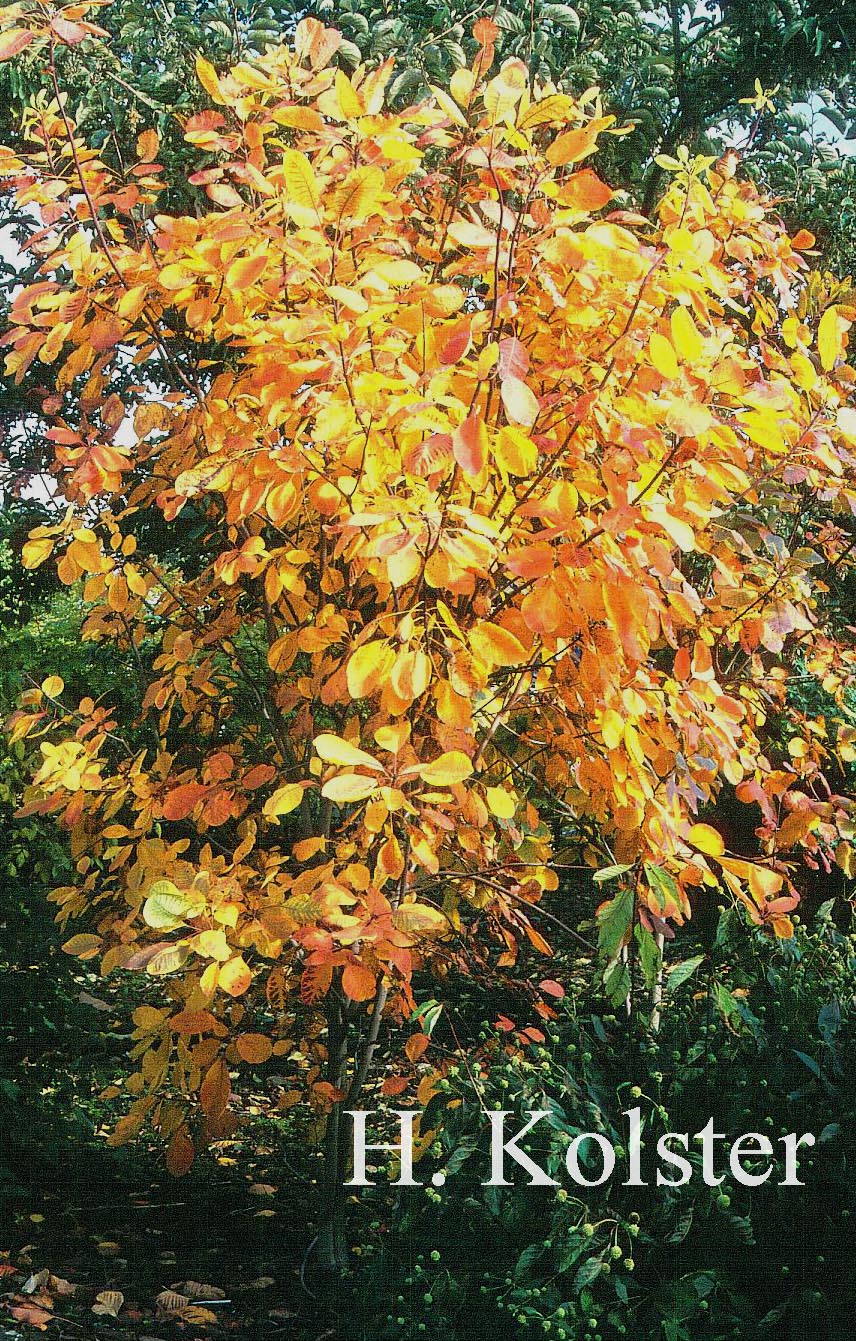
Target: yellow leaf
495 646
349 787
350 103
235 976
707 840
368 669
207 76
612 729
356 199
212 944
663 356
555 108
449 106
830 337
764 883
419 919
175 277
53 686
515 452
167 907
284 800
520 402
36 551
445 771
334 750
500 802
685 336
299 179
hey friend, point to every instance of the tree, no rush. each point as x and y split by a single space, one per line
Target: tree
513 507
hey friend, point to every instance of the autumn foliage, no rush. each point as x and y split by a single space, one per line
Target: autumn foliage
517 508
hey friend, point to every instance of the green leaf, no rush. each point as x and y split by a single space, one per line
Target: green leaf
616 980
649 955
679 973
662 885
588 1272
725 1002
167 907
610 873
614 920
526 1259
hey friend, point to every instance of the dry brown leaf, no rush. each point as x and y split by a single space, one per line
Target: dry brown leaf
170 1301
198 1316
195 1289
108 1302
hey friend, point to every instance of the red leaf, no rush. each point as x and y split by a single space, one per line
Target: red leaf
552 988
513 358
179 1155
183 800
14 42
457 345
394 1085
70 33
469 445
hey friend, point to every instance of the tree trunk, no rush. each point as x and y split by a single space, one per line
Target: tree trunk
657 989
332 1247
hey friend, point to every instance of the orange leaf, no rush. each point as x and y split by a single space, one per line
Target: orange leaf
216 1089
245 271
358 982
416 1045
254 1048
584 191
180 1153
469 445
572 146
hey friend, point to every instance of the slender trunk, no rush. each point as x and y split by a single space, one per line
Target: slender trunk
657 989
332 1245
